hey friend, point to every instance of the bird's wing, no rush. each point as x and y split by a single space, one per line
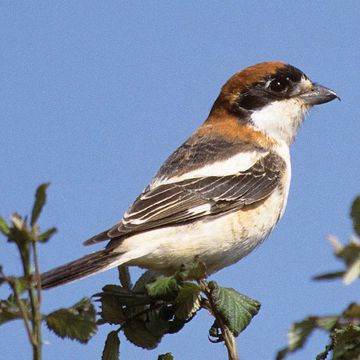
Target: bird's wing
203 177
178 202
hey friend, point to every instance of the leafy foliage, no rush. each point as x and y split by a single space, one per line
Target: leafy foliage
187 301
40 199
156 306
165 288
9 309
355 214
112 346
146 311
77 322
46 235
300 332
350 255
343 328
346 342
167 356
4 229
138 331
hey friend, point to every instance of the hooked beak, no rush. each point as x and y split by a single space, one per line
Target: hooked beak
318 95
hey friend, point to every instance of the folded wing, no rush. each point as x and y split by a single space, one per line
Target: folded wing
191 199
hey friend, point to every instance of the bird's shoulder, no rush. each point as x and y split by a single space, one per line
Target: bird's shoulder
208 152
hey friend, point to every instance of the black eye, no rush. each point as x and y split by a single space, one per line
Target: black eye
280 84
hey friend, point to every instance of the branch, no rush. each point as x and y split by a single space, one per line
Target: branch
23 311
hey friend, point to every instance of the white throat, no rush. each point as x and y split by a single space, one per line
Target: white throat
280 119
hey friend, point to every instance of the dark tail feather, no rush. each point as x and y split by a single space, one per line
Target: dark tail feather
78 269
97 238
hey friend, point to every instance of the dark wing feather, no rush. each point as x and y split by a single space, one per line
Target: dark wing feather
176 203
199 150
176 199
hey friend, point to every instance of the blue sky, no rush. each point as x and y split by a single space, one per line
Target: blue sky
94 97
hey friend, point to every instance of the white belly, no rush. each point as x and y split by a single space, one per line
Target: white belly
218 242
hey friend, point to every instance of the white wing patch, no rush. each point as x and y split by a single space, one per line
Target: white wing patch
201 209
176 203
231 166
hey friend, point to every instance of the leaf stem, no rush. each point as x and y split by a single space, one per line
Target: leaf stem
37 272
23 311
35 321
25 250
35 299
226 334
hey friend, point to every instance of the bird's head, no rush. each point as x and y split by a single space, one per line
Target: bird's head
273 97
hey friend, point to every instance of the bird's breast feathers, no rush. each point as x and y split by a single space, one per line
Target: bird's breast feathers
219 240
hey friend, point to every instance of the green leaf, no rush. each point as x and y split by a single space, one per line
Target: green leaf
329 276
145 278
174 324
187 302
124 276
137 332
112 309
112 346
126 297
352 311
282 353
355 214
164 288
346 343
195 271
10 311
300 332
236 309
4 228
156 324
167 356
77 322
327 322
40 199
349 253
46 235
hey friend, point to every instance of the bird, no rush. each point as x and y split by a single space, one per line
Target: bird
221 193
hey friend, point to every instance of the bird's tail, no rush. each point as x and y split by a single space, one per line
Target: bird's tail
81 268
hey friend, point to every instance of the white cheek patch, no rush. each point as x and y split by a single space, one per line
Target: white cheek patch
280 119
